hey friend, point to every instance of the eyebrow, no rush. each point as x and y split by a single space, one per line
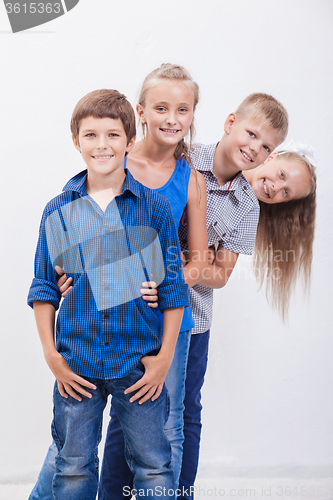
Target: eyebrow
93 130
164 103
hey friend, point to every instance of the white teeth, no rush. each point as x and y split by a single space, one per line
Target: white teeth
265 189
246 156
170 131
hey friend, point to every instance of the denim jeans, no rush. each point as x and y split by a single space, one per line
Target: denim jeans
196 369
115 472
43 487
76 430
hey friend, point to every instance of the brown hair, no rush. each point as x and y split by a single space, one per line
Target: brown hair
105 103
169 71
264 107
283 248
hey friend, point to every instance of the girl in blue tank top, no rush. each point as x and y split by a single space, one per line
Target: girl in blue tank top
167 103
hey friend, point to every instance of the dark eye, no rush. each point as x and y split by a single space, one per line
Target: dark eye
282 175
160 108
286 193
267 149
183 110
251 134
90 135
113 135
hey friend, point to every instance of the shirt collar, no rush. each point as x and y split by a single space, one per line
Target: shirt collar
78 183
206 153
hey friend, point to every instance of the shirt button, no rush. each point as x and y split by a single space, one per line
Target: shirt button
107 231
245 187
223 235
107 344
107 261
215 223
106 288
106 316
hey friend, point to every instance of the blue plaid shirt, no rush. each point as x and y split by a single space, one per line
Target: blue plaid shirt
103 325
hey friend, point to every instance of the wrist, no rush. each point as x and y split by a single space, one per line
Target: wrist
165 356
50 354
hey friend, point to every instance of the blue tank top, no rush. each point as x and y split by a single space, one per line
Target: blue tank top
176 191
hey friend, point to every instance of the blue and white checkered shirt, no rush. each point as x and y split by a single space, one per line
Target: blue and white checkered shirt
103 326
232 219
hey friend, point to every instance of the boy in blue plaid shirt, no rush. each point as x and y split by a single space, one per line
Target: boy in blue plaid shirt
109 233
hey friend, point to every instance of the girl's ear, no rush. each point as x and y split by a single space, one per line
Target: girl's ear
76 143
130 145
229 123
270 157
141 113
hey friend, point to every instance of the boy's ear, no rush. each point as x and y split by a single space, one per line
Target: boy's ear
130 145
76 144
141 113
229 122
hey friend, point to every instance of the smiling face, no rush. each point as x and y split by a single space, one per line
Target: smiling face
278 180
248 142
103 144
168 112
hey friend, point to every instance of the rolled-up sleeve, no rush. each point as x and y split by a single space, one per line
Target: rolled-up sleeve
44 285
242 238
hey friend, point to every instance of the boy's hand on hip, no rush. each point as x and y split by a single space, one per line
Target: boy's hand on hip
151 383
69 383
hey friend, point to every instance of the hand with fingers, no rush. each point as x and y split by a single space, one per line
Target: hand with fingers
69 383
149 293
150 385
64 283
148 290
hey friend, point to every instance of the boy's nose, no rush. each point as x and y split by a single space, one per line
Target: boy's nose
102 143
255 146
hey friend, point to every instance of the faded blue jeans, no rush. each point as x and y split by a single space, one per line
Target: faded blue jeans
115 472
76 430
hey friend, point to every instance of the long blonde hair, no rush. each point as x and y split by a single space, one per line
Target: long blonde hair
283 248
172 72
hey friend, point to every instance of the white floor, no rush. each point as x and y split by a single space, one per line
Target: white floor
232 488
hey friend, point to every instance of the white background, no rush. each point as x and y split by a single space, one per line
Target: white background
268 403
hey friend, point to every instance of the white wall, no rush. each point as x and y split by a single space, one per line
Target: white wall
267 399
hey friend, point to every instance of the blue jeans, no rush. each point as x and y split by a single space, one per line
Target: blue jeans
76 430
115 472
196 369
43 487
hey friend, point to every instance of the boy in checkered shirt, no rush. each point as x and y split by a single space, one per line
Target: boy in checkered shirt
251 134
